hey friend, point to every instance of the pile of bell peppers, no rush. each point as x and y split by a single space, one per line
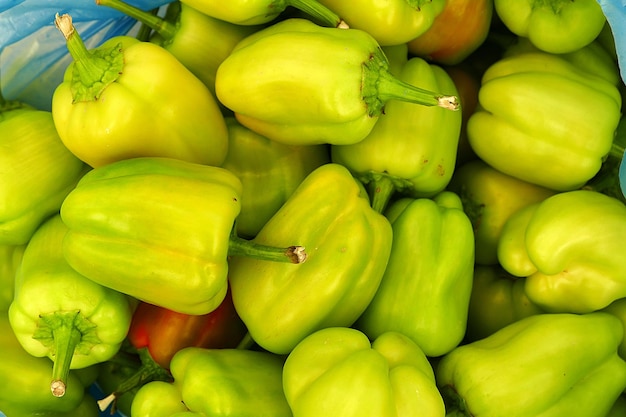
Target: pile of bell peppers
308 208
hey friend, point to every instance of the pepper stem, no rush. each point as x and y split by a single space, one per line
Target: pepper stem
246 343
66 337
161 26
242 247
380 86
93 69
382 189
317 11
148 371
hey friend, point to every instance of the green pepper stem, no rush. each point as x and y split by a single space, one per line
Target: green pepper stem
161 26
318 11
243 247
382 189
77 49
246 343
66 337
392 88
148 371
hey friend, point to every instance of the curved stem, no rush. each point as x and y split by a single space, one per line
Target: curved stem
147 372
161 26
318 11
242 247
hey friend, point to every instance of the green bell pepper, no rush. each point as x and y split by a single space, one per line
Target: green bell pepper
348 245
217 383
593 58
10 259
556 26
27 382
489 198
269 172
337 371
546 365
58 313
540 110
497 300
37 170
128 98
256 12
568 247
160 230
298 83
199 41
412 149
389 22
425 291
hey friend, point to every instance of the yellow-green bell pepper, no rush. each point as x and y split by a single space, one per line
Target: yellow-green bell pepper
338 371
60 314
557 26
545 365
390 22
411 151
299 83
489 197
216 383
269 172
128 98
497 300
544 120
348 246
38 171
568 247
425 291
160 230
27 389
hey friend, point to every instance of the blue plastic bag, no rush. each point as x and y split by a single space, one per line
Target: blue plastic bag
33 54
615 12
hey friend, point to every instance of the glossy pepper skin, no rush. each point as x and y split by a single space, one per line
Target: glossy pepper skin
197 40
573 358
269 172
556 26
299 83
154 228
425 291
60 314
338 371
348 246
10 259
257 12
568 247
390 22
38 171
144 103
539 110
497 300
217 383
489 198
27 379
456 32
412 149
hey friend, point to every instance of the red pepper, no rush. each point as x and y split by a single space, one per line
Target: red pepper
158 333
164 332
